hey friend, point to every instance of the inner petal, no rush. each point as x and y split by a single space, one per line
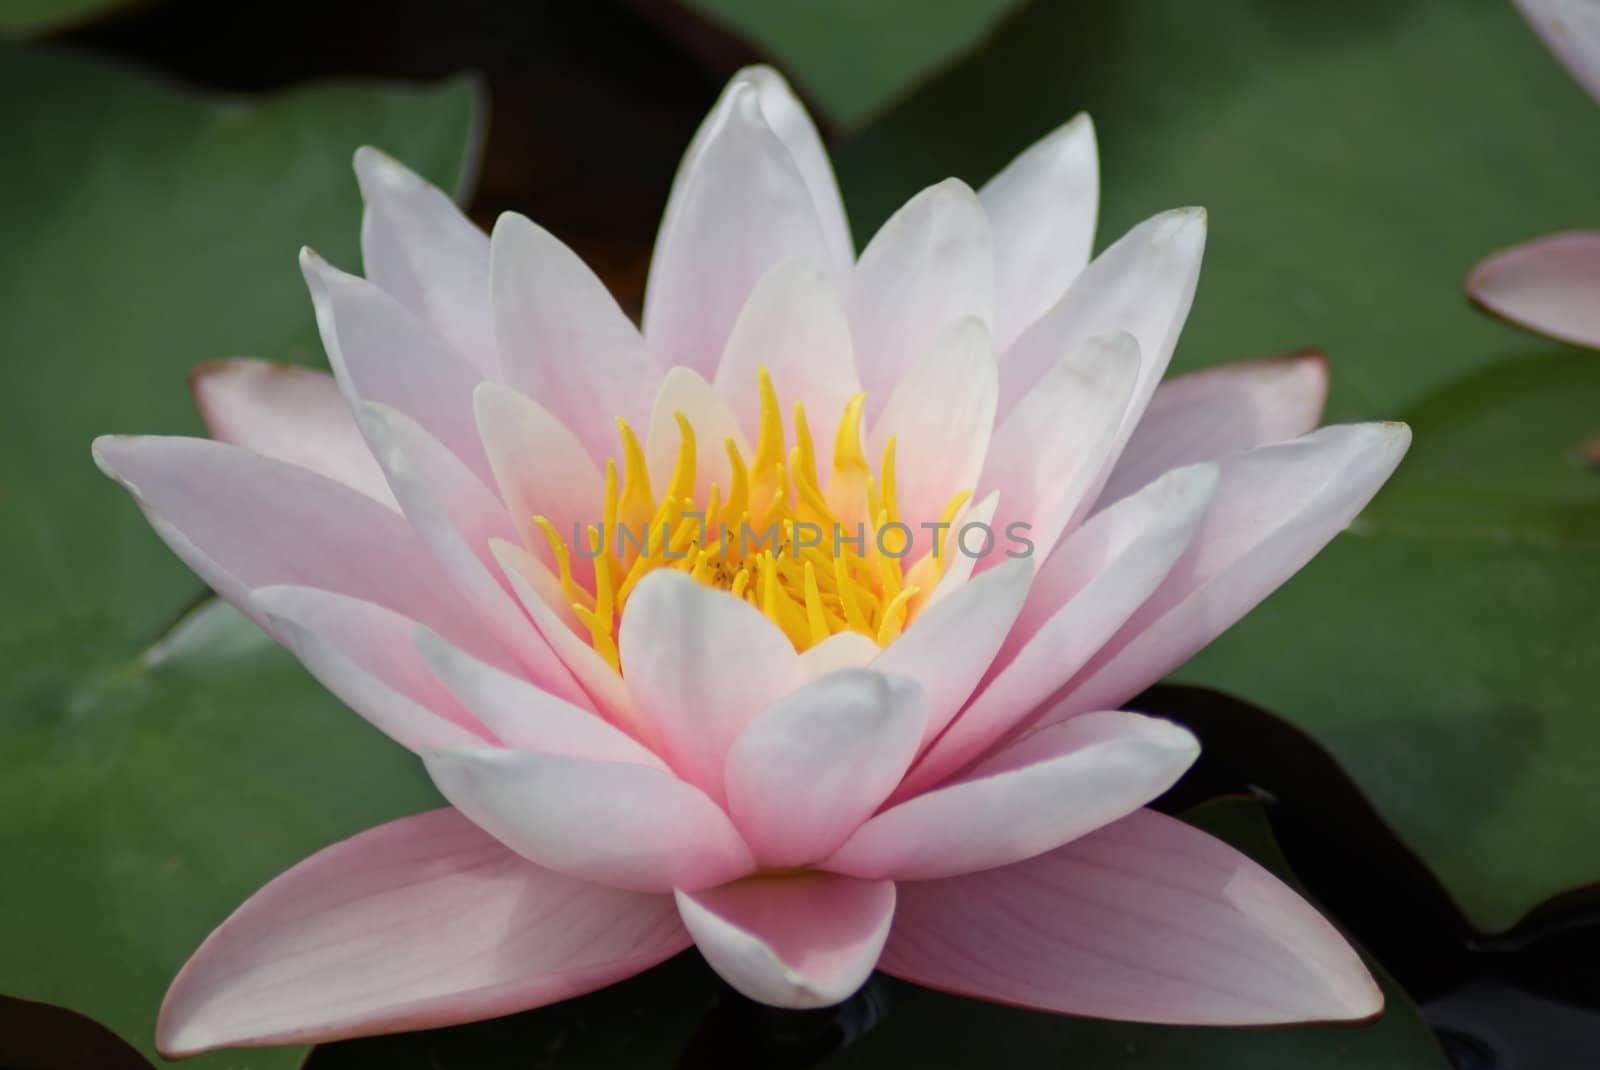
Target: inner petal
820 554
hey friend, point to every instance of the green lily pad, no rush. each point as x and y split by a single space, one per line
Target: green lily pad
1356 160
852 58
151 779
680 1015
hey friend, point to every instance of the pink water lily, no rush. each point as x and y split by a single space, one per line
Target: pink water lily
1550 285
807 762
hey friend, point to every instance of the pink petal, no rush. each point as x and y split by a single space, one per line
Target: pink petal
1145 920
794 326
700 665
844 650
620 824
1547 286
1042 209
714 422
940 415
738 206
541 469
1096 579
418 247
1144 285
540 594
1049 455
522 716
1571 29
929 266
949 645
419 923
362 653
1274 508
289 414
565 342
458 518
800 941
1050 787
1210 414
788 119
243 521
841 744
381 353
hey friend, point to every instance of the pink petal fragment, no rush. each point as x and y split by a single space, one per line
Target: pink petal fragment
522 716
1048 788
794 326
700 665
940 415
1548 285
1042 209
1210 414
800 941
290 414
1274 509
950 644
360 652
1571 29
620 824
565 342
738 206
458 518
1049 455
419 923
929 266
418 247
382 353
788 119
1145 920
808 770
243 521
1096 579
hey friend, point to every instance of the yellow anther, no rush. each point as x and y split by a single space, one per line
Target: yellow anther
816 618
847 598
570 590
741 580
894 617
948 519
769 441
890 502
739 487
638 503
683 472
803 458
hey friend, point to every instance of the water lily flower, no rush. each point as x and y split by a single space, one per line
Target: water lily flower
1550 284
899 750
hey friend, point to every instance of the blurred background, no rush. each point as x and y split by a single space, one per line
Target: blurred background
1409 727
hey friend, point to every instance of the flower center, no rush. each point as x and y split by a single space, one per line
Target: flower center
815 561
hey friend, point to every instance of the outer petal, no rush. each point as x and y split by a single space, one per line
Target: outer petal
949 645
1042 209
620 824
801 941
1048 788
1210 414
738 206
565 342
522 716
1145 920
1097 578
806 771
929 266
242 521
1049 455
289 414
701 664
788 119
1144 285
794 326
1571 29
1547 285
419 923
382 353
419 248
459 519
941 416
360 652
1275 507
